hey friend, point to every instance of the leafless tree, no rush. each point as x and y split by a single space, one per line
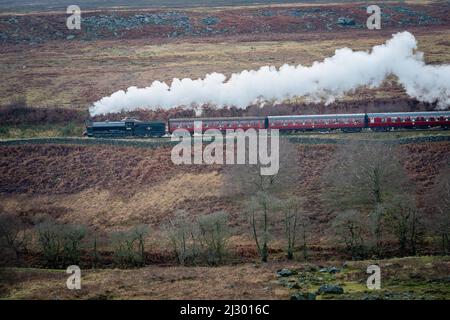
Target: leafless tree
214 233
439 200
129 246
295 224
140 233
14 237
349 227
404 220
182 234
366 176
261 208
72 235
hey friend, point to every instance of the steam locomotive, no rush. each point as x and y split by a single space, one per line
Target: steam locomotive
287 124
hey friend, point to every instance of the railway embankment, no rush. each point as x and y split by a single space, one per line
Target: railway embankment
298 139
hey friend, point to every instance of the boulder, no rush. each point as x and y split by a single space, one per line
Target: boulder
343 21
330 289
303 296
334 270
285 272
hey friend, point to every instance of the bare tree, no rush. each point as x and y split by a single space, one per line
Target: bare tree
182 234
72 236
349 227
129 246
295 224
60 243
439 199
261 209
214 233
406 224
366 176
51 242
14 237
140 233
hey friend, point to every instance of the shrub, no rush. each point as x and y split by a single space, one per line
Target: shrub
129 249
349 228
213 234
51 242
261 209
14 238
71 130
72 237
60 244
182 235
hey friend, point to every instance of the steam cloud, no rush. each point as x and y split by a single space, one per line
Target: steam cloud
323 81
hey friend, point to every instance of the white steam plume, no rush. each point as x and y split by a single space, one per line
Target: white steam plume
323 81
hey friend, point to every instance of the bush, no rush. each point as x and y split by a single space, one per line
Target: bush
14 238
72 237
129 246
213 234
60 244
71 130
349 228
182 235
50 241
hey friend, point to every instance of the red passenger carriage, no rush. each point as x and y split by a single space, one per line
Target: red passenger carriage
221 124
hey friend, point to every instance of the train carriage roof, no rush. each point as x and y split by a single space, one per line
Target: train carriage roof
320 116
219 119
410 114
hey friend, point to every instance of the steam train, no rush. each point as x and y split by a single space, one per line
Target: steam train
286 124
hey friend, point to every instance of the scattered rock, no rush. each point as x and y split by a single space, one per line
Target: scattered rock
294 286
330 289
343 21
210 21
333 270
303 296
285 272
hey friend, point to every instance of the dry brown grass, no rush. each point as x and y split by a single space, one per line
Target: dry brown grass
78 74
112 188
228 282
402 278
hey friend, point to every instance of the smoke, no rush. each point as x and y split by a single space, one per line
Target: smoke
325 81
